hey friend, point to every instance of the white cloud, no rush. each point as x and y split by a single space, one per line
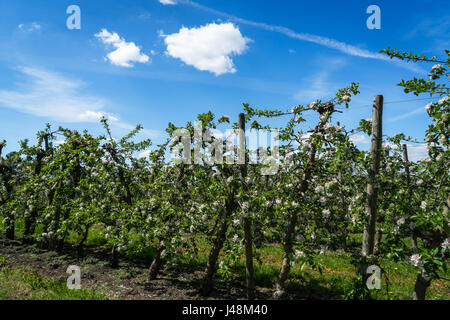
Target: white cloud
30 27
166 2
144 154
208 48
360 138
125 53
50 95
417 152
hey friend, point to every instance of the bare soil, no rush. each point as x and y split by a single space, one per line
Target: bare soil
128 281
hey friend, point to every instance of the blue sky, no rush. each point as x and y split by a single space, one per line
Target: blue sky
150 63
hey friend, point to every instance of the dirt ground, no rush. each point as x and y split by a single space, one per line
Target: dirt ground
128 281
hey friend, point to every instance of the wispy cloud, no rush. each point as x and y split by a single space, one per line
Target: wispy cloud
29 27
319 86
320 40
431 28
407 115
47 94
167 2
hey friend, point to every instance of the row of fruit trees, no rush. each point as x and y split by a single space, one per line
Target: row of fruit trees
319 194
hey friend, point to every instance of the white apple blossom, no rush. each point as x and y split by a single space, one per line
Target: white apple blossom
423 205
328 126
401 221
446 244
299 254
319 189
444 99
416 261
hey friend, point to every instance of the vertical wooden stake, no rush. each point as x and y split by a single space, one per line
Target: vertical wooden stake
247 221
372 187
405 159
408 183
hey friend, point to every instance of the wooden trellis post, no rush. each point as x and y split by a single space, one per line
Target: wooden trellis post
408 183
247 221
372 187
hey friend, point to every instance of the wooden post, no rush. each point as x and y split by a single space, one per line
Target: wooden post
372 187
249 273
408 183
405 159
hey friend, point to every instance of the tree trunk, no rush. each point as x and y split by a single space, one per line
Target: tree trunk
288 251
219 240
156 264
414 234
60 245
423 281
249 271
114 258
30 221
378 237
29 227
157 260
290 234
80 251
10 229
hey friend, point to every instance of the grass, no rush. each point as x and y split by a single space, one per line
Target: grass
336 278
333 281
25 284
